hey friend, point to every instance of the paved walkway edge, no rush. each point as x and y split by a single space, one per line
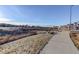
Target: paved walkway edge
60 44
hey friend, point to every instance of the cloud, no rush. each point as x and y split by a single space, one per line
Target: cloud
11 21
8 21
5 20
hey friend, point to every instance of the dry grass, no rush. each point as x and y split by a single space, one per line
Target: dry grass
32 44
9 38
75 38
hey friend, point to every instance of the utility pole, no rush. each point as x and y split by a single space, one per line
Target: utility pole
70 16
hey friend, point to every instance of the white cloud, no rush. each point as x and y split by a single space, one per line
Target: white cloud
5 20
11 21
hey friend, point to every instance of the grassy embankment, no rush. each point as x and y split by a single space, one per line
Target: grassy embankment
8 38
75 38
29 45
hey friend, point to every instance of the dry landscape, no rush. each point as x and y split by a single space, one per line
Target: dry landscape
75 38
32 44
9 38
24 39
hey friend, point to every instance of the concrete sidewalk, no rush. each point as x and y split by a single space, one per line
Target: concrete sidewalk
60 44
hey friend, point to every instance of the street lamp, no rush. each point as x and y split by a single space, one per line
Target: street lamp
70 15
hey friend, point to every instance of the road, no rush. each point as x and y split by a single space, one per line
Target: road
60 44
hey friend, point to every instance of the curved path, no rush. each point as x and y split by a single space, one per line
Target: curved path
60 44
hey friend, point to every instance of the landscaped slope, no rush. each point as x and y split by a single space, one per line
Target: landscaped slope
32 44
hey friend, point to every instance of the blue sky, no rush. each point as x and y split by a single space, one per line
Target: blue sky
42 15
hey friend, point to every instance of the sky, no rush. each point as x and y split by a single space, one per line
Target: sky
41 15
